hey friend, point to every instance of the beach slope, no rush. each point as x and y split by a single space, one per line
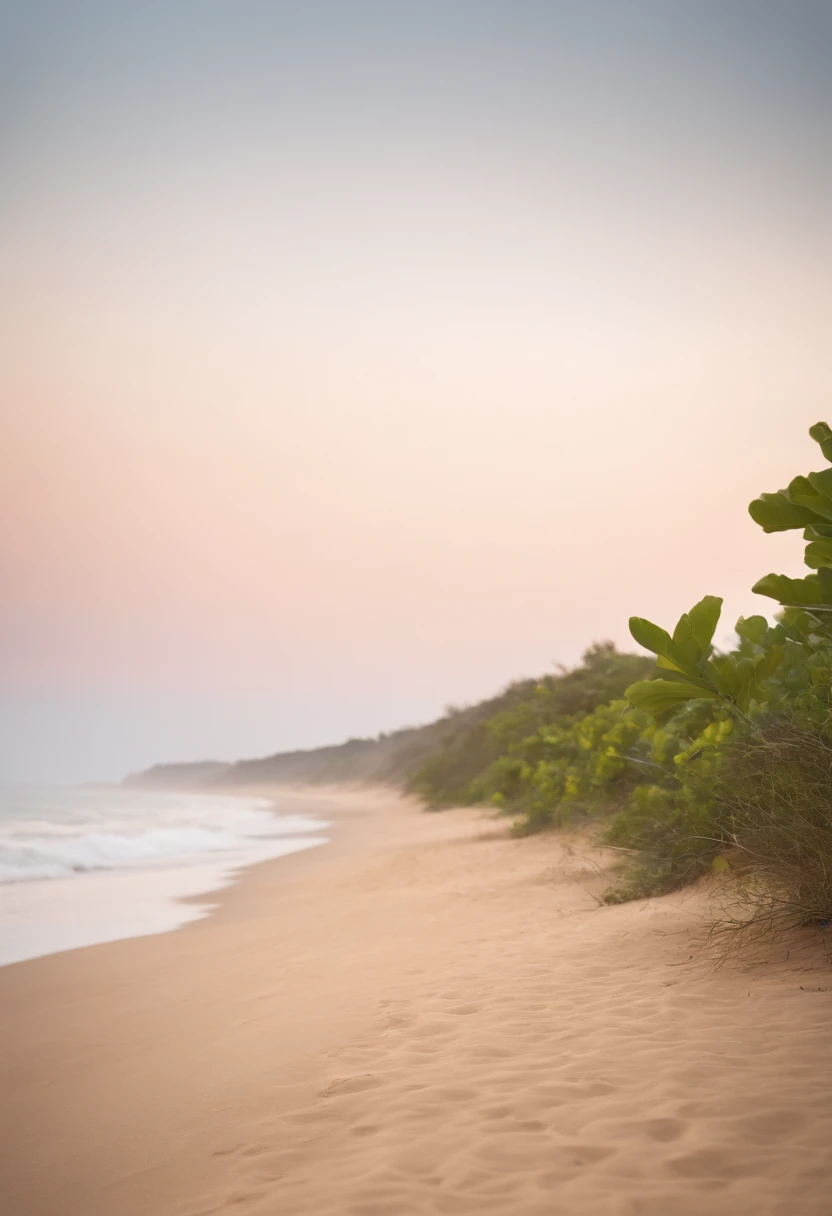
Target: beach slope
422 1017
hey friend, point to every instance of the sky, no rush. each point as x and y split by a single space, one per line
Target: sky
357 358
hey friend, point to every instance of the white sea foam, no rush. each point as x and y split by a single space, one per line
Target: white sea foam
81 866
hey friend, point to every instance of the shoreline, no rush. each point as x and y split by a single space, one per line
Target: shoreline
112 903
421 1016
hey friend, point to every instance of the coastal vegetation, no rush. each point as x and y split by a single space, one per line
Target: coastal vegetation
699 762
692 762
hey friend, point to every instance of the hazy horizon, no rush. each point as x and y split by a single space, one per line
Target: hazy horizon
361 358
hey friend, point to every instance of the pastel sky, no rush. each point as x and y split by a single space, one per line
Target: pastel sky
359 357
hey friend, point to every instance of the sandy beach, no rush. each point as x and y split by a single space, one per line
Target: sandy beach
422 1016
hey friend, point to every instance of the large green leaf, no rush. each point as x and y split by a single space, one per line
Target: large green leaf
682 677
822 483
819 550
745 673
686 644
799 591
777 513
654 638
768 662
821 434
753 629
796 625
651 637
704 618
722 669
824 577
803 494
658 697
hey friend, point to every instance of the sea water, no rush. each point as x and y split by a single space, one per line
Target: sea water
82 866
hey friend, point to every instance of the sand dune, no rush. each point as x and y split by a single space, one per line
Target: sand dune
425 1017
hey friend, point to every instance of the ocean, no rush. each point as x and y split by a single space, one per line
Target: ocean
81 866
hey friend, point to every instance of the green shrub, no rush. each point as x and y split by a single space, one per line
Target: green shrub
673 837
701 762
495 747
754 780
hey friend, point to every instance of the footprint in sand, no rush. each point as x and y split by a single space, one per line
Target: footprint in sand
432 1029
712 1164
350 1085
664 1129
459 1093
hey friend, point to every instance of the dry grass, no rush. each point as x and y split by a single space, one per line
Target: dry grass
763 815
773 800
